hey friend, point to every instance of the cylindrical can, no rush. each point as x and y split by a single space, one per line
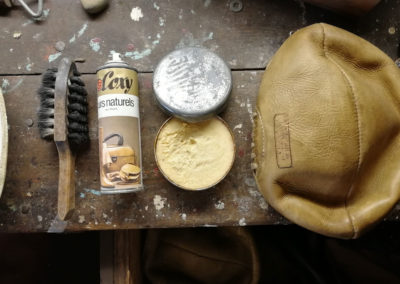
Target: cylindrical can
119 127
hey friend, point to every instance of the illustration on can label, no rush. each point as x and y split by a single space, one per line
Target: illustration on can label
119 129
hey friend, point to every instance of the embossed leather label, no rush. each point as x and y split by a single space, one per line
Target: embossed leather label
282 140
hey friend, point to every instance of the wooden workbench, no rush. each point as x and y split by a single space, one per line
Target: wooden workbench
144 31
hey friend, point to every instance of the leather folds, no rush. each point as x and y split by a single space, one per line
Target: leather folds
327 132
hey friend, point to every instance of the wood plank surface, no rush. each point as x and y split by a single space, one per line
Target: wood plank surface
144 37
30 195
144 31
246 40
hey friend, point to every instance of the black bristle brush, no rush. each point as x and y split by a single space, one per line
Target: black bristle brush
63 118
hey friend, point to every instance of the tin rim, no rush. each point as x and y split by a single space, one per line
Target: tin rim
202 188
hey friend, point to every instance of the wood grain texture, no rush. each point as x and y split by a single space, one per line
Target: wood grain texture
66 172
127 257
66 181
245 40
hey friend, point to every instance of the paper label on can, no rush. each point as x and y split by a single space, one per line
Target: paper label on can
118 105
117 80
119 130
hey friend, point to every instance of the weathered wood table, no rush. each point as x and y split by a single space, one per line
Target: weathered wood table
144 31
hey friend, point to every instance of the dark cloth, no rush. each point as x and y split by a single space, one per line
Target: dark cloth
270 254
205 255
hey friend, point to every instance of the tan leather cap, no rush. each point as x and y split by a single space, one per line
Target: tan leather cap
327 133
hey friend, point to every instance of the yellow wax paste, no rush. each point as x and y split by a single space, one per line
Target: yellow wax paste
195 155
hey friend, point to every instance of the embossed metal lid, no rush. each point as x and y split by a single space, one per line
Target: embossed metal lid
192 83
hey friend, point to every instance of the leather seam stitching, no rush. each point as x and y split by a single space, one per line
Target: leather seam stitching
358 125
263 135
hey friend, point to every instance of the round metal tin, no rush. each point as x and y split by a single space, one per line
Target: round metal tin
192 83
171 180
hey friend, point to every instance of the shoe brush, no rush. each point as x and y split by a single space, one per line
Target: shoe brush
63 118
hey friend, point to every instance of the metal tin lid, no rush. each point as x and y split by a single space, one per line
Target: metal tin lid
192 84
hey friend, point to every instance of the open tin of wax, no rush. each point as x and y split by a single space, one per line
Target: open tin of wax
195 149
194 156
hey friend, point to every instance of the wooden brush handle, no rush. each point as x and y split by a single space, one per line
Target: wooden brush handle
66 181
